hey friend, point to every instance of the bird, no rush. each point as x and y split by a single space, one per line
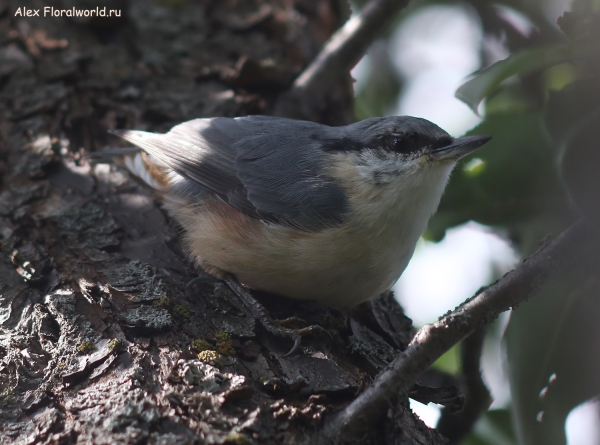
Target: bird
297 208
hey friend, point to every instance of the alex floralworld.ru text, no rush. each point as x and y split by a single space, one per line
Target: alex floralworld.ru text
50 11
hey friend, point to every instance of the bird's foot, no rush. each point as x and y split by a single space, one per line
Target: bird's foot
291 322
275 327
202 278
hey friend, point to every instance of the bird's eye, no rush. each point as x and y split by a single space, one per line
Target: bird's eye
396 143
404 143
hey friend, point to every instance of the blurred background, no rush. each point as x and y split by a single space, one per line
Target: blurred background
526 72
538 175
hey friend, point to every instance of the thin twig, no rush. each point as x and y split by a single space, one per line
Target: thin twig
432 340
339 55
455 426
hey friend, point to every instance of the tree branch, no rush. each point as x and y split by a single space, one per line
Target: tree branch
455 426
432 340
339 55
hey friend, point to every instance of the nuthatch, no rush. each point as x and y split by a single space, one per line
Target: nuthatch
300 209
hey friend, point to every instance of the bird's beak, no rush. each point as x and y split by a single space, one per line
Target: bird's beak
459 148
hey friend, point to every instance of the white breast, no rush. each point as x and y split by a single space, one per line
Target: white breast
340 266
390 215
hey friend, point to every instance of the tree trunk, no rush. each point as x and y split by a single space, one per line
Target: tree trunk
99 340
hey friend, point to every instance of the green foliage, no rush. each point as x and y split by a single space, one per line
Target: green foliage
508 182
450 361
487 81
541 165
493 428
555 333
572 117
537 175
378 97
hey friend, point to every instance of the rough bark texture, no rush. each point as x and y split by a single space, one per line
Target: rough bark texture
99 342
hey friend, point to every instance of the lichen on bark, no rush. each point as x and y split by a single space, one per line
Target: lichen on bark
98 336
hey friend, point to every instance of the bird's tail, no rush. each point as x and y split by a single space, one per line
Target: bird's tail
135 159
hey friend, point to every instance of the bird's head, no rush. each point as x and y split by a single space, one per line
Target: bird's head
415 149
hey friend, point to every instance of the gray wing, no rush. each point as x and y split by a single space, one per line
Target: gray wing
269 168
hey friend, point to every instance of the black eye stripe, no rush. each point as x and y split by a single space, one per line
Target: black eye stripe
403 143
442 142
407 143
401 135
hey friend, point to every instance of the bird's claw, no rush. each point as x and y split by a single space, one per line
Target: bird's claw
290 321
297 342
273 327
297 334
202 278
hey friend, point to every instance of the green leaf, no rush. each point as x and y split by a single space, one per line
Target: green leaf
506 183
572 119
552 349
450 361
487 81
493 428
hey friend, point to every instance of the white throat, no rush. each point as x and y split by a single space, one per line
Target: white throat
391 207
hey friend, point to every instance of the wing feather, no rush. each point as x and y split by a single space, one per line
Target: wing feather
269 168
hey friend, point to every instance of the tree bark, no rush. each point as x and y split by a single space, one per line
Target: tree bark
99 340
